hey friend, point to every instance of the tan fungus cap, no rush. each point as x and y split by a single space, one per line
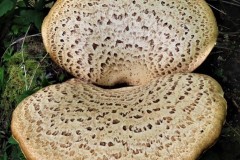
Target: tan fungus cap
128 41
175 117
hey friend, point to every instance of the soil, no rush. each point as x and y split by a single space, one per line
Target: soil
223 64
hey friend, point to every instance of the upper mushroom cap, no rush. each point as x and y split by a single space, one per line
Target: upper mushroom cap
169 118
108 42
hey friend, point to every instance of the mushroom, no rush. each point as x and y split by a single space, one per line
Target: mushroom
175 117
165 114
110 42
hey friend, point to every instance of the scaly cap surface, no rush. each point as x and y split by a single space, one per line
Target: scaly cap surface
175 117
108 42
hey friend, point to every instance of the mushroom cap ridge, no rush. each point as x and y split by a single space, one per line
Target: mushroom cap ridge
109 42
76 120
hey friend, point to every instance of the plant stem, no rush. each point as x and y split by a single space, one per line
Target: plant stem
23 60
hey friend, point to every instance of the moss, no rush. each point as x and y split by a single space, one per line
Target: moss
19 83
22 74
20 80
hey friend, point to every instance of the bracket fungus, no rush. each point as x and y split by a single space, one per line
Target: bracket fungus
173 117
109 42
166 114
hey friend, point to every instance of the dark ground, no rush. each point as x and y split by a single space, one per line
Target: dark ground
223 64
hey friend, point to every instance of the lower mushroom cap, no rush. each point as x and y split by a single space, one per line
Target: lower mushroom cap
107 42
173 117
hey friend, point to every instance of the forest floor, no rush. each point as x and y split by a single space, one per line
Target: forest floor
223 64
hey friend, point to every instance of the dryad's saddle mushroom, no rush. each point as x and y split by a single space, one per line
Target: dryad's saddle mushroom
174 117
163 115
132 41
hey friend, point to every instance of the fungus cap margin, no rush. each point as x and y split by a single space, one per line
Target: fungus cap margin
109 42
75 120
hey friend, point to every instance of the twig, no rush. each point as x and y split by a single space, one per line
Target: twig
221 46
234 130
236 2
35 71
235 104
231 3
23 60
217 9
20 39
230 33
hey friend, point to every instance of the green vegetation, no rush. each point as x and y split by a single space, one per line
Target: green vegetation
25 68
22 74
17 15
